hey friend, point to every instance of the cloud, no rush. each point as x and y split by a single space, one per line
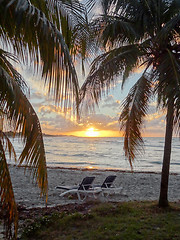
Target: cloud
47 109
110 98
113 105
58 125
101 121
154 116
36 95
54 121
113 123
154 124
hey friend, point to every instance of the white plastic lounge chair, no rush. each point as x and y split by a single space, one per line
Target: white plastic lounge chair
85 189
108 186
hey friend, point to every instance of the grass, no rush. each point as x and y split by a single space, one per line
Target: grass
112 221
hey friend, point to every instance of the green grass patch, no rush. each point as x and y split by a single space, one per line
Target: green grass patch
111 221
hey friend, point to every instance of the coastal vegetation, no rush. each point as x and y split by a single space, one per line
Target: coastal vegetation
112 221
139 35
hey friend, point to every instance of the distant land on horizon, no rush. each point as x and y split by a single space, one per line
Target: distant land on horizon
11 134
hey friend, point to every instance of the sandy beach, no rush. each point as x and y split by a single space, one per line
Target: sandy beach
135 186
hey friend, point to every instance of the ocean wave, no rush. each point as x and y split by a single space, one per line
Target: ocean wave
104 153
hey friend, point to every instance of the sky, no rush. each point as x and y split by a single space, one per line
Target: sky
102 123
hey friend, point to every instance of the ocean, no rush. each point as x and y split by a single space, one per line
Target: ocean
104 153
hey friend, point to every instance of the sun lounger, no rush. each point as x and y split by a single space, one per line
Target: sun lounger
108 186
85 189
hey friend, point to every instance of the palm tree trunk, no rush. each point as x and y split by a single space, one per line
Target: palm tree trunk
163 198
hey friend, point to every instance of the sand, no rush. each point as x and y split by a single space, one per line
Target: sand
135 186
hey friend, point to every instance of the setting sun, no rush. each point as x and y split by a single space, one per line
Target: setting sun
91 132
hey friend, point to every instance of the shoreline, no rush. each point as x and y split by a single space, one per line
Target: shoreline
136 186
97 169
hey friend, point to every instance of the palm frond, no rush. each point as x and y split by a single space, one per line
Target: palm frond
67 16
172 8
74 11
118 30
33 34
119 6
167 76
79 37
148 16
134 109
6 191
22 116
91 4
104 71
169 29
5 58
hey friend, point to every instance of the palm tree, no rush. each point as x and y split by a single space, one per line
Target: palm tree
44 35
146 34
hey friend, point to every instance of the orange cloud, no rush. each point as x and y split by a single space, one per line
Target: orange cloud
154 116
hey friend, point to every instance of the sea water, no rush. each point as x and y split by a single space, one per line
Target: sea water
105 153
